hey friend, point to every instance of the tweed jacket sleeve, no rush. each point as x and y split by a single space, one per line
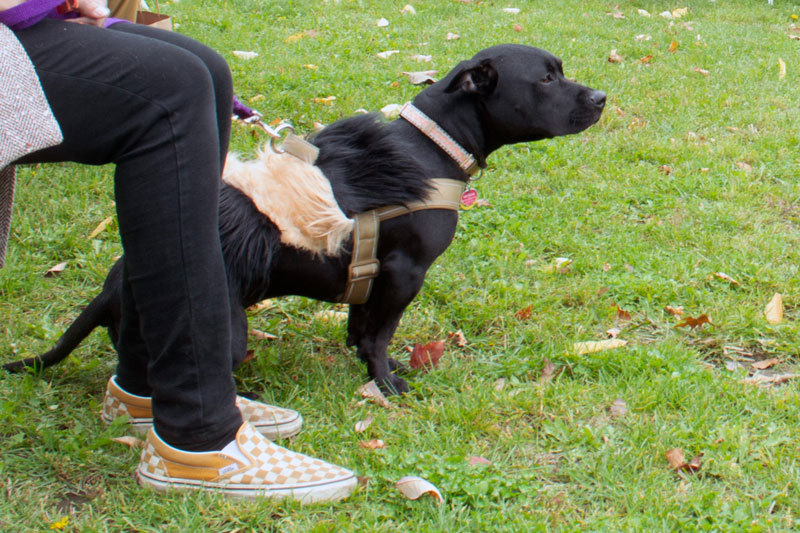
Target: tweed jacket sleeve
27 123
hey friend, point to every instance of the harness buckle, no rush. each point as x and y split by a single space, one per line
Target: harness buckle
364 270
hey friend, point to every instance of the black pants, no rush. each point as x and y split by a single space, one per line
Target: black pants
157 104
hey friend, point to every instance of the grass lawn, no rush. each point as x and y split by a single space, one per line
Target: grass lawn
691 173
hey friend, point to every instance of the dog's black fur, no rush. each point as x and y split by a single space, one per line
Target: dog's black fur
505 94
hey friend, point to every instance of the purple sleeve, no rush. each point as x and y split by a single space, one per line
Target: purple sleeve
29 13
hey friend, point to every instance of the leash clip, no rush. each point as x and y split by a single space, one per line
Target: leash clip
279 133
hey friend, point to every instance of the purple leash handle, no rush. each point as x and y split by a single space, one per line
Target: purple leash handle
29 13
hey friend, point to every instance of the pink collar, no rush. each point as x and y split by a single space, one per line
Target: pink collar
435 133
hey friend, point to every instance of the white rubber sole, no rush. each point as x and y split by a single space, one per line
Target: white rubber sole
324 492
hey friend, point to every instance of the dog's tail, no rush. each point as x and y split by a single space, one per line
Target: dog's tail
94 315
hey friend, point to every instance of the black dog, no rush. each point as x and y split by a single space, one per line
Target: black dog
505 94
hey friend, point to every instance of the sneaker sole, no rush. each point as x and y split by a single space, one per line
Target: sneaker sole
327 492
272 432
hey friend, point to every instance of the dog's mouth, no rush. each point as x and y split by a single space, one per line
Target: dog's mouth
582 118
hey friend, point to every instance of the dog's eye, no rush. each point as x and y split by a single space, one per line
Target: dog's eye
549 78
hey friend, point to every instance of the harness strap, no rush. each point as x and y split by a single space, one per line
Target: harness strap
364 264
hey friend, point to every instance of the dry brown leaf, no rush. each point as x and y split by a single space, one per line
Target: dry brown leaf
774 309
680 12
774 379
548 371
422 58
695 322
666 169
744 166
643 12
614 57
413 487
766 363
617 14
100 227
646 59
249 356
677 461
500 384
458 338
262 335
613 332
426 355
260 306
55 270
674 311
702 71
373 444
330 314
672 46
391 111
583 348
724 277
372 392
621 313
387 54
618 408
424 77
130 442
606 266
408 9
517 27
328 100
452 36
362 425
475 460
524 314
781 69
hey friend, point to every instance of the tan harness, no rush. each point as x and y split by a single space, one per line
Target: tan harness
446 194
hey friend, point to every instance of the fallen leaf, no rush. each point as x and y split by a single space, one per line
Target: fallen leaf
249 356
452 36
458 338
517 27
260 306
55 270
744 166
646 59
614 57
725 277
130 442
621 313
606 266
781 69
424 77
695 322
613 332
618 408
100 227
766 363
482 202
702 71
362 425
674 311
617 14
475 460
643 12
373 444
512 10
774 309
680 12
427 355
524 314
422 58
413 487
773 379
310 66
559 265
330 314
642 37
672 46
583 348
391 111
328 100
666 15
363 481
408 10
60 524
675 458
387 54
262 335
382 23
665 169
242 54
372 392
548 371
499 384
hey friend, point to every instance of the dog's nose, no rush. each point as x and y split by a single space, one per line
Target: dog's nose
598 98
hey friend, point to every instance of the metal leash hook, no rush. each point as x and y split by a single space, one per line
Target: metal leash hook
257 119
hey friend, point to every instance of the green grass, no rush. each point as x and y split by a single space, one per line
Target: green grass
638 237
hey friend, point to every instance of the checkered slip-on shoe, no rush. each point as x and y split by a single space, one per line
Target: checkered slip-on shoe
274 422
271 471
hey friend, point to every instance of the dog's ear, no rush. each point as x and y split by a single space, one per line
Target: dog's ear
474 78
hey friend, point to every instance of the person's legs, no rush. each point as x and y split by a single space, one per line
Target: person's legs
154 108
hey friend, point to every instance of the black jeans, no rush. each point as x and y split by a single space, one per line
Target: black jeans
158 105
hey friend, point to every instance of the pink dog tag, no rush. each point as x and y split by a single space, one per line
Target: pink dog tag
468 199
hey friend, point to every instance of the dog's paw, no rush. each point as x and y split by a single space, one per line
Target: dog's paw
397 367
393 385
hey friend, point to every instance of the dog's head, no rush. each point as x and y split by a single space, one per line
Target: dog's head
521 94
